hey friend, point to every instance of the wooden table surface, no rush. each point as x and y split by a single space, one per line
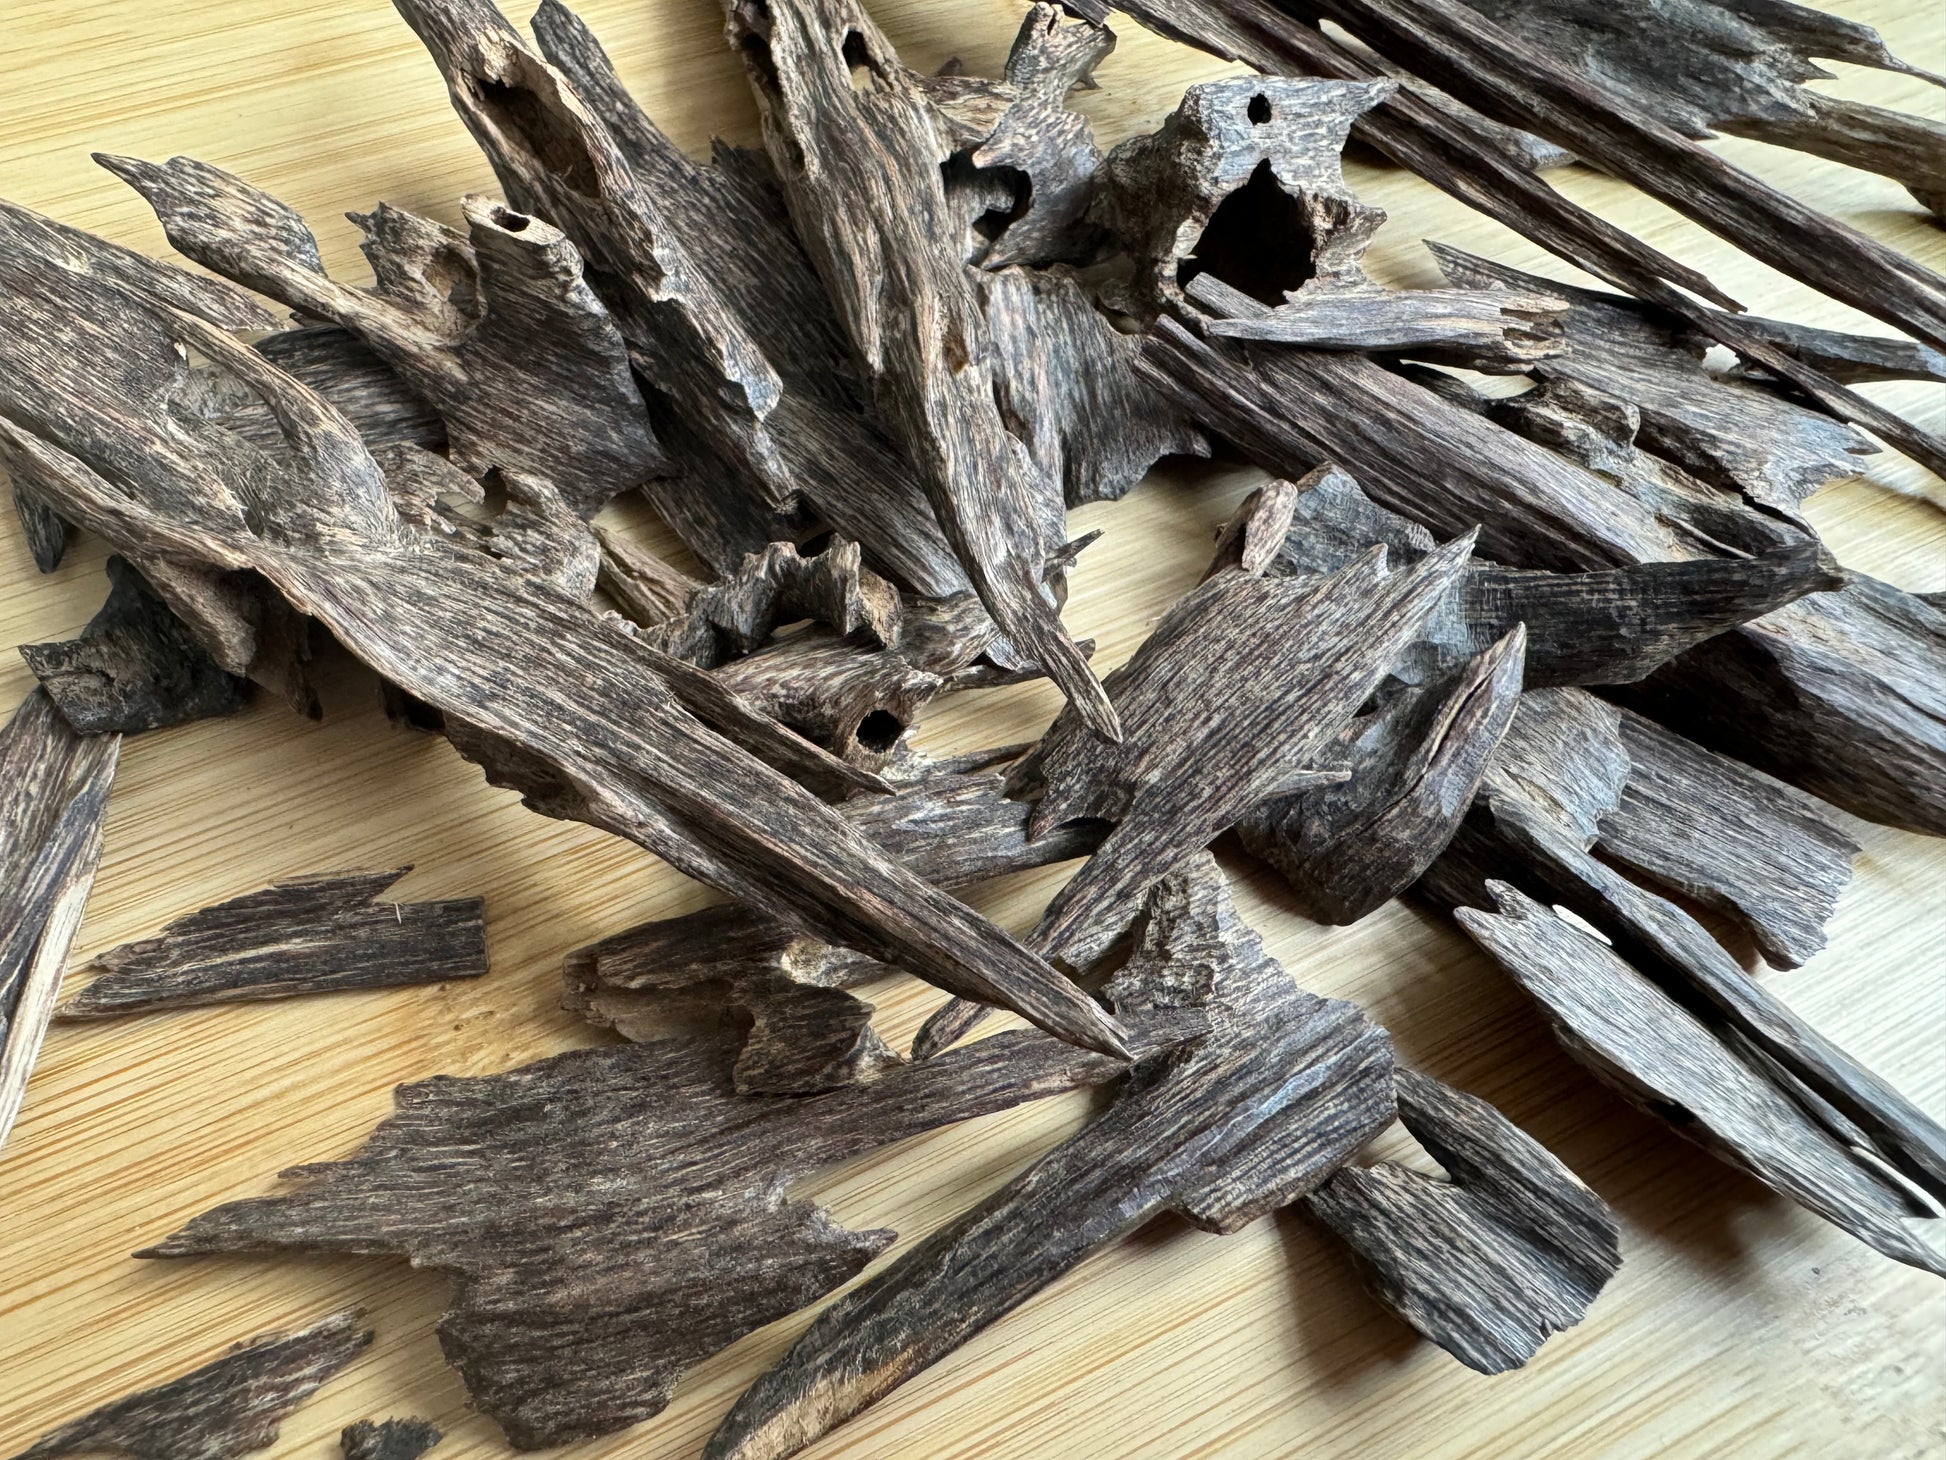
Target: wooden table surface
1738 1324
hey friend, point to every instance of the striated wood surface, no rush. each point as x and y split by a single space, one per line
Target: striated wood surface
1740 1324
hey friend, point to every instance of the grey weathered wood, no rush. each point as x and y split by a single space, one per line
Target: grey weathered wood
1663 1058
53 795
495 328
1234 698
305 935
135 667
859 148
341 368
1703 68
1500 325
1730 837
572 709
610 1217
1248 1117
1507 1250
1850 358
389 1439
231 1406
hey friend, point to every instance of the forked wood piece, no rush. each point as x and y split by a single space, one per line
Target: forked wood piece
1507 1250
859 147
231 1406
305 935
1663 1058
135 666
611 1217
1251 1116
53 795
583 718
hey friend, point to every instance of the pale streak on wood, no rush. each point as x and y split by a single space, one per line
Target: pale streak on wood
1489 1262
315 934
229 1407
1247 1117
53 795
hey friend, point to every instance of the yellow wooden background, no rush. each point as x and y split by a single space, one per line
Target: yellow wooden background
1738 1324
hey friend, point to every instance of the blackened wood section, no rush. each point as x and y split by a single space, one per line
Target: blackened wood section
1673 949
729 219
571 709
1736 433
495 328
610 1217
1663 1058
229 1407
1488 1263
780 585
53 794
135 667
1235 697
1044 153
389 1439
859 149
1066 384
1702 68
1445 149
1461 51
1730 837
340 367
1415 763
1251 1116
306 935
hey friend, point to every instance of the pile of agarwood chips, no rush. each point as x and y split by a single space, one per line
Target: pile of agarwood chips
1537 657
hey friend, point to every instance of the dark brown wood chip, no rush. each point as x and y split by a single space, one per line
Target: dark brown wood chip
53 795
1488 1263
1250 1116
232 1406
389 1439
611 1217
135 667
307 935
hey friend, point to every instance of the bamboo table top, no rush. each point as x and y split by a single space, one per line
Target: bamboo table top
1739 1324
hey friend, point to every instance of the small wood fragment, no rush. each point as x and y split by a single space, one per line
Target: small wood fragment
135 667
53 795
611 1217
229 1407
1246 1118
306 935
1507 1250
389 1439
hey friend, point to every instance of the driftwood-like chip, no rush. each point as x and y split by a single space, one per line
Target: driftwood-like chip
306 935
1490 1262
1248 1117
389 1439
611 1217
53 795
227 1408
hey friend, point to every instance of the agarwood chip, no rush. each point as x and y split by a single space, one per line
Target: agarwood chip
389 1439
135 667
53 795
305 935
610 1217
338 366
1250 1116
229 1407
1488 1263
1664 1059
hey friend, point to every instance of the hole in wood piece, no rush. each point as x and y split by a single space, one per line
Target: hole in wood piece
879 731
519 113
865 72
506 218
1259 110
1258 241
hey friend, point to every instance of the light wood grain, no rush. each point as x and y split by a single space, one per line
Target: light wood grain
1738 1325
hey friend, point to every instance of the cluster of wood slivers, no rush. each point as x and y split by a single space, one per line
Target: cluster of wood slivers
1566 662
